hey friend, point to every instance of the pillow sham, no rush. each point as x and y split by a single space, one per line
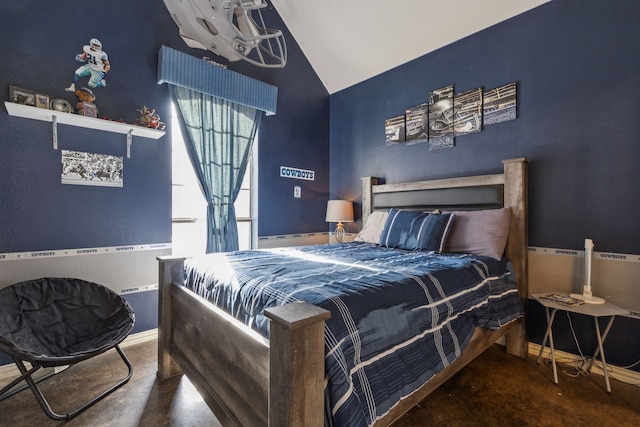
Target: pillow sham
416 231
480 232
373 227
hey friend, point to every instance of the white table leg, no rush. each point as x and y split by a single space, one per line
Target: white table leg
600 349
549 335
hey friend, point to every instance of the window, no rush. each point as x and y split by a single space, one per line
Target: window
189 209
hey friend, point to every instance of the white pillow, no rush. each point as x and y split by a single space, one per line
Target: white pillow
373 227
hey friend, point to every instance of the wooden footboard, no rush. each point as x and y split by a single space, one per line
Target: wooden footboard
243 378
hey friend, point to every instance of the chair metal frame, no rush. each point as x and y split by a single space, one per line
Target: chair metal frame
32 383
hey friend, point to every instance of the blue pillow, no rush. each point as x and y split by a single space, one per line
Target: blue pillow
416 231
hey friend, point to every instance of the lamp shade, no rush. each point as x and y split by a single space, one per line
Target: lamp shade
339 211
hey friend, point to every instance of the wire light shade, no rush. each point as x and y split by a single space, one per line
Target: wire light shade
339 211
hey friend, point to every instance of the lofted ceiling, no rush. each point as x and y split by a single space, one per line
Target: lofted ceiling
349 41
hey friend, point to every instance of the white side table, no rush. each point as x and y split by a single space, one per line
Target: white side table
594 310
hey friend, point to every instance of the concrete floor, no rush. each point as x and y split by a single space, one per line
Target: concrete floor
494 390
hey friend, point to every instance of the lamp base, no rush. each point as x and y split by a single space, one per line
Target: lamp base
588 298
339 233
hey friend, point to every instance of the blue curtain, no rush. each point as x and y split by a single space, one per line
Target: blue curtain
220 134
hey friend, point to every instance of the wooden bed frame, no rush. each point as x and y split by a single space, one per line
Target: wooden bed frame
247 381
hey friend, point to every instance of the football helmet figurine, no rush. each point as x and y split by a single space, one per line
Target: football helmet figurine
228 28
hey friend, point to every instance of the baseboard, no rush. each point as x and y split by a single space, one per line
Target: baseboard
11 371
139 338
621 374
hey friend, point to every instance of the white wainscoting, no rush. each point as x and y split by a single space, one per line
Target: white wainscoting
121 268
614 277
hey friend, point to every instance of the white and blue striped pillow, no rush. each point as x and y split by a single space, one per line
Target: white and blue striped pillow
416 231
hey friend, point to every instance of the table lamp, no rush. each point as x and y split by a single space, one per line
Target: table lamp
339 211
586 294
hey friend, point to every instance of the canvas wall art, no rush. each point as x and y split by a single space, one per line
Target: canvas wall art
467 112
446 116
500 104
417 124
394 130
441 118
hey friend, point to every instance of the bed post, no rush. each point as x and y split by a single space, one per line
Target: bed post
296 365
171 270
516 198
367 196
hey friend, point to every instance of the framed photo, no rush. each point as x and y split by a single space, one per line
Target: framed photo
42 100
81 168
22 96
89 109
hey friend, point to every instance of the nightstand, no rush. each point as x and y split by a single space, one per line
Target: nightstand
606 310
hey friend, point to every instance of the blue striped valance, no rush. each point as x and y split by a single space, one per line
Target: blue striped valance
178 68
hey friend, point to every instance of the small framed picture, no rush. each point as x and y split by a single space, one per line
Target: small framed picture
22 96
42 100
89 109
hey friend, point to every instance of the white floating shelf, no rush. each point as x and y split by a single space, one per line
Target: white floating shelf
29 112
55 117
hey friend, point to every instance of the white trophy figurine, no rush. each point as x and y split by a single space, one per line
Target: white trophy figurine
586 295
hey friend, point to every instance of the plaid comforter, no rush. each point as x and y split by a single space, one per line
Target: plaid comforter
397 317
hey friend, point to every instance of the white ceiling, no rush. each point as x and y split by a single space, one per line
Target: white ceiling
349 41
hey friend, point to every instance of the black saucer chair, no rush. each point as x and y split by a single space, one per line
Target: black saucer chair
53 322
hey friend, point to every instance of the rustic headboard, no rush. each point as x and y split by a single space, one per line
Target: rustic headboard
508 189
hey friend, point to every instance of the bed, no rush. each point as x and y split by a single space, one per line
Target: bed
276 371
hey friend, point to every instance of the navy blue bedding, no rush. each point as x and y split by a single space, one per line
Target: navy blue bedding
397 317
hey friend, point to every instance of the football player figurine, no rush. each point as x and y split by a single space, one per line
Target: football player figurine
97 65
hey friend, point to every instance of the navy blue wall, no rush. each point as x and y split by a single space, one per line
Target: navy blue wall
576 64
37 212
